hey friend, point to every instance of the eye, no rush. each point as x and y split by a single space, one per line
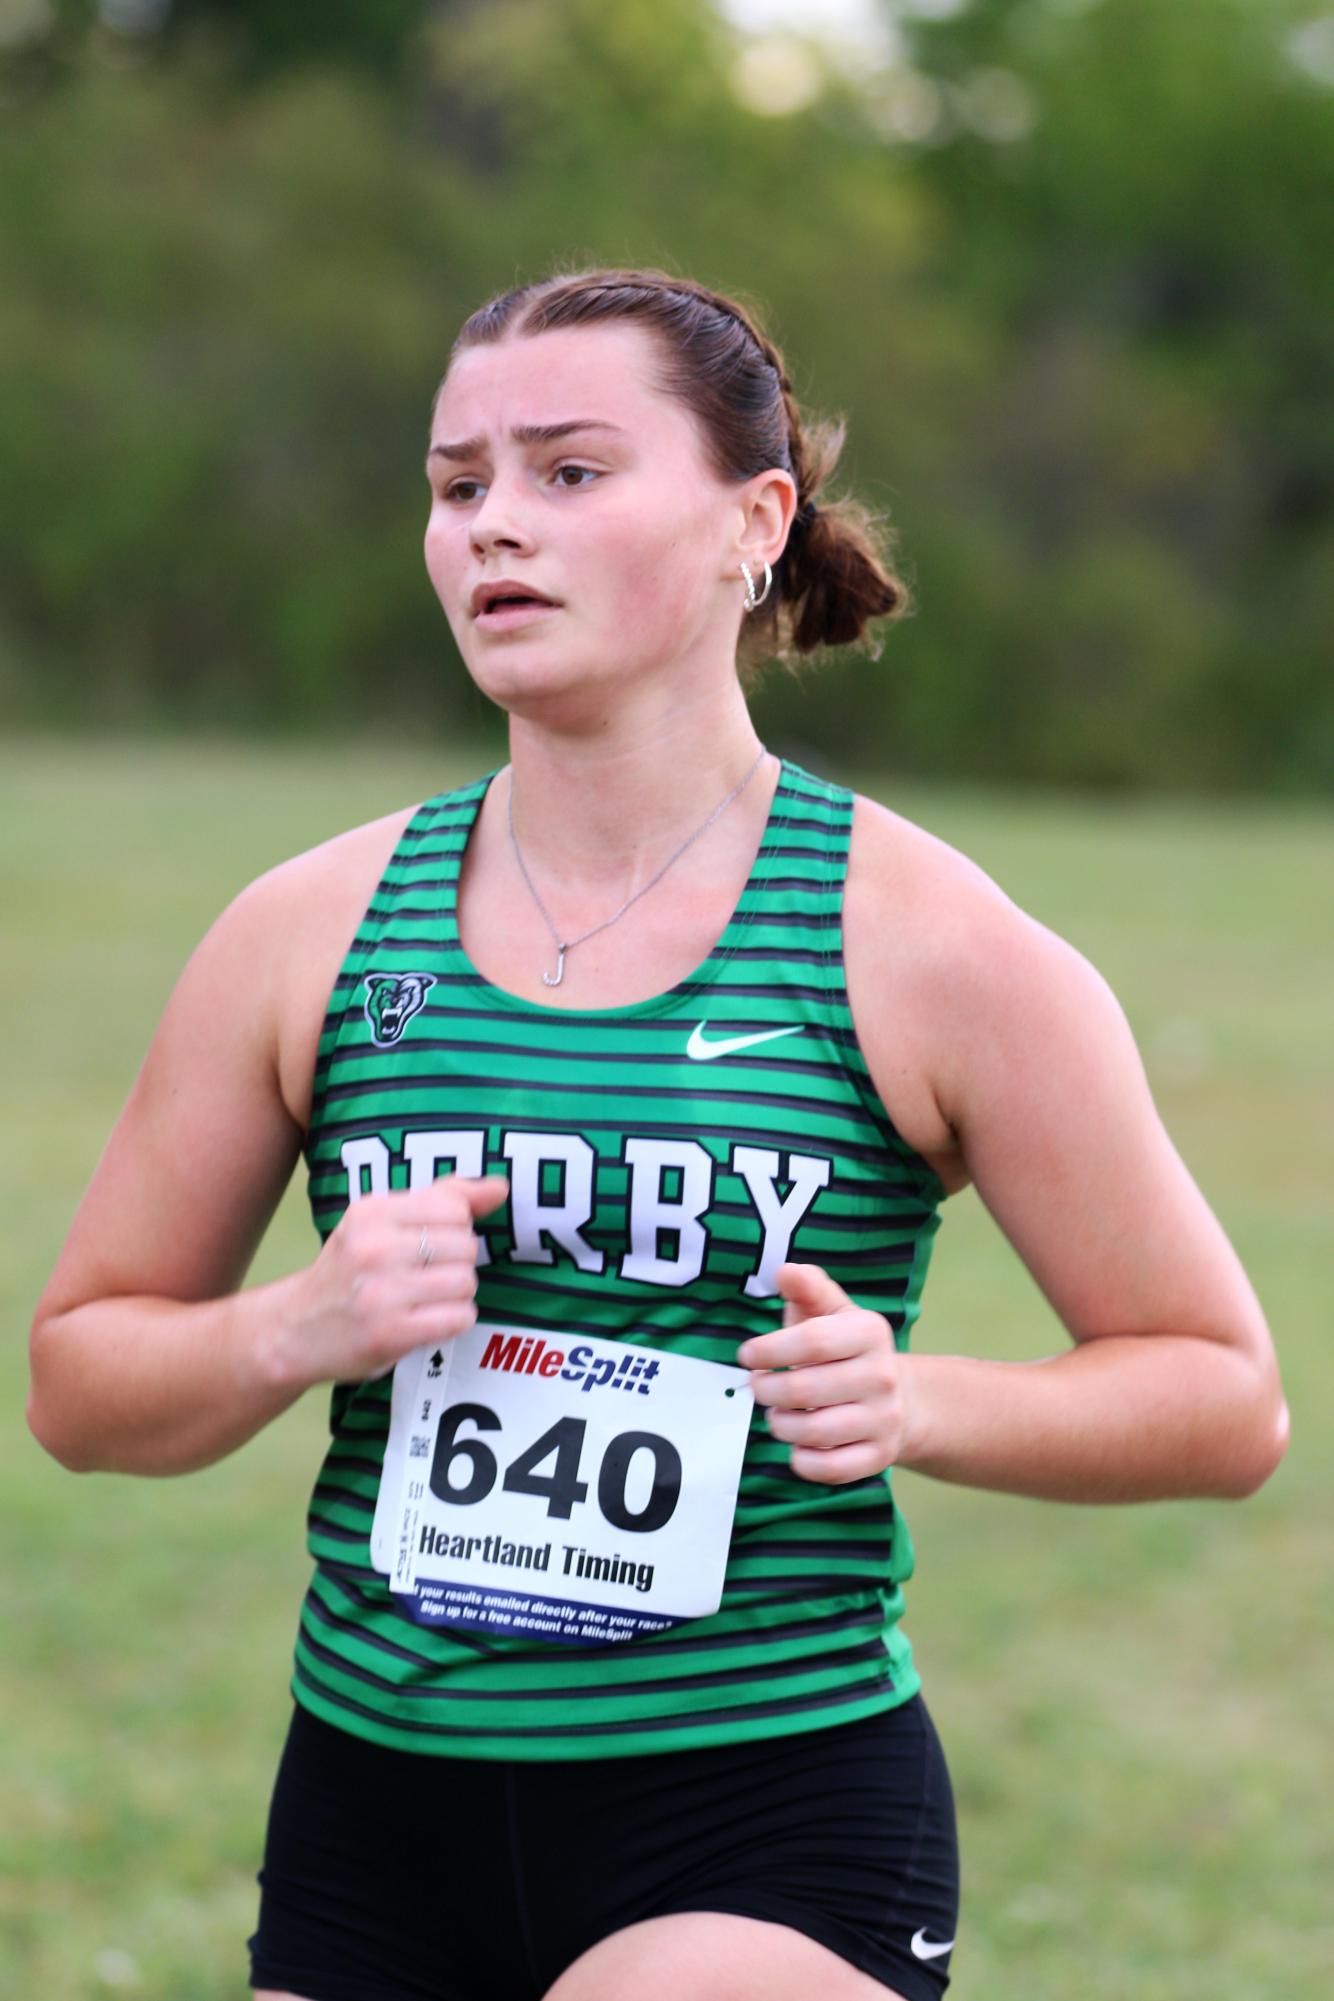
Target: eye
464 489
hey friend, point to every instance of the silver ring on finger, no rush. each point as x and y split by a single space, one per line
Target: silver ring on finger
425 1254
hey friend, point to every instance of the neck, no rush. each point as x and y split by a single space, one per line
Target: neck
606 807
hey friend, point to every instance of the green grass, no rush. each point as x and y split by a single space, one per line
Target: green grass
1137 1703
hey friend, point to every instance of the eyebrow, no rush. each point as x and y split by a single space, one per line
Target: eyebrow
525 434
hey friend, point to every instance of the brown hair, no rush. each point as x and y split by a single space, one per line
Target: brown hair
833 577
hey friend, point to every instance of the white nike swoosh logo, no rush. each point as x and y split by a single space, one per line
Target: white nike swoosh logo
704 1052
923 1949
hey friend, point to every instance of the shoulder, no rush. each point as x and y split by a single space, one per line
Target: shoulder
282 940
293 904
956 919
332 870
952 983
891 856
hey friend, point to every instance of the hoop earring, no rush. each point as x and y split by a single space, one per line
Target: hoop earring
753 603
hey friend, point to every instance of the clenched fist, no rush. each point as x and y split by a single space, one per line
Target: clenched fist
835 1386
399 1271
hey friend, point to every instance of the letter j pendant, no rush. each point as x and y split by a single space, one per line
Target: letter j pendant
554 980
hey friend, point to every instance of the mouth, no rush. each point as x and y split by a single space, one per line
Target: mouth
502 612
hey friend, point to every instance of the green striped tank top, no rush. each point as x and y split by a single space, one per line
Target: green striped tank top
653 1193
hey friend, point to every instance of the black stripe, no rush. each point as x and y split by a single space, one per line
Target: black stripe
823 1066
791 1705
318 1525
345 1497
663 1024
402 1123
781 1472
677 1124
747 1635
771 1100
789 952
347 983
472 1643
877 1507
860 1191
395 910
340 1456
735 1311
814 851
875 1255
458 808
785 1584
577 1693
372 1404
805 1588
378 913
814 1221
788 887
539 1052
832 825
864 1548
505 1278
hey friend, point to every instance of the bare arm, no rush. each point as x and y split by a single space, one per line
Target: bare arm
145 1356
1171 1386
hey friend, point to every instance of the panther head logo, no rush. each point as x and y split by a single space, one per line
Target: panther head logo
391 1001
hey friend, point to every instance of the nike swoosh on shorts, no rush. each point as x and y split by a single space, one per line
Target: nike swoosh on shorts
924 1948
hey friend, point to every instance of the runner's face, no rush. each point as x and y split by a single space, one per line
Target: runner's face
626 528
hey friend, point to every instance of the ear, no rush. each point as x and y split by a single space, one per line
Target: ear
767 504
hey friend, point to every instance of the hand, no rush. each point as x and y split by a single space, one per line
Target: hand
369 1298
835 1386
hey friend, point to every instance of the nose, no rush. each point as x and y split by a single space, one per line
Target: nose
500 519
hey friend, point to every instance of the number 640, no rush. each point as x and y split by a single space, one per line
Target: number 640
561 1487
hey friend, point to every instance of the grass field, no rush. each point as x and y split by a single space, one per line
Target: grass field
1138 1703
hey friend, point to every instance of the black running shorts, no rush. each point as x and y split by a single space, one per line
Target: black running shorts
394 1876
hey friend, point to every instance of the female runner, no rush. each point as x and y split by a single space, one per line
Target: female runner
650 1062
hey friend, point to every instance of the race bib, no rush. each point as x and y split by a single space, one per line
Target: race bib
559 1488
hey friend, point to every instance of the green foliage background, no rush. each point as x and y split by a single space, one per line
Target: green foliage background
1078 321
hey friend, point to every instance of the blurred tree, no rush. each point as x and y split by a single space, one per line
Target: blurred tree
1058 260
1155 245
260 38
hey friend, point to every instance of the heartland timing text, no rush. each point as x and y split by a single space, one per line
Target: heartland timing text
577 1561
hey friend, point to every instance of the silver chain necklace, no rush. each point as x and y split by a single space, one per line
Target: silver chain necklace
564 945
